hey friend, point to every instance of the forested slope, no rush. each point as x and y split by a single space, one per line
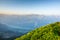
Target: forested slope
48 32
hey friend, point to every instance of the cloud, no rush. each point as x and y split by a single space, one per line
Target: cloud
40 12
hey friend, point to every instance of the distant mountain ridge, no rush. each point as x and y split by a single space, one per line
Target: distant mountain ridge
21 24
7 32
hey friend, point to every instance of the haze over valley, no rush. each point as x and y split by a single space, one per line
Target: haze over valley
12 26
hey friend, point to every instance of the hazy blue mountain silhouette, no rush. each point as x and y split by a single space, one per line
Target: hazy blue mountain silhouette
7 32
16 25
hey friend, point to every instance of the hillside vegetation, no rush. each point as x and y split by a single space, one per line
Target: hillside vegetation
48 32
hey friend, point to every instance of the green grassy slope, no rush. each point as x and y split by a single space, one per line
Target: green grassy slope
48 32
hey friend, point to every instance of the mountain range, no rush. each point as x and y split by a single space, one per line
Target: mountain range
12 26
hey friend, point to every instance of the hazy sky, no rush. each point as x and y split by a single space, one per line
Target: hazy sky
43 7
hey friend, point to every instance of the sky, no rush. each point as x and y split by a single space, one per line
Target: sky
41 7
